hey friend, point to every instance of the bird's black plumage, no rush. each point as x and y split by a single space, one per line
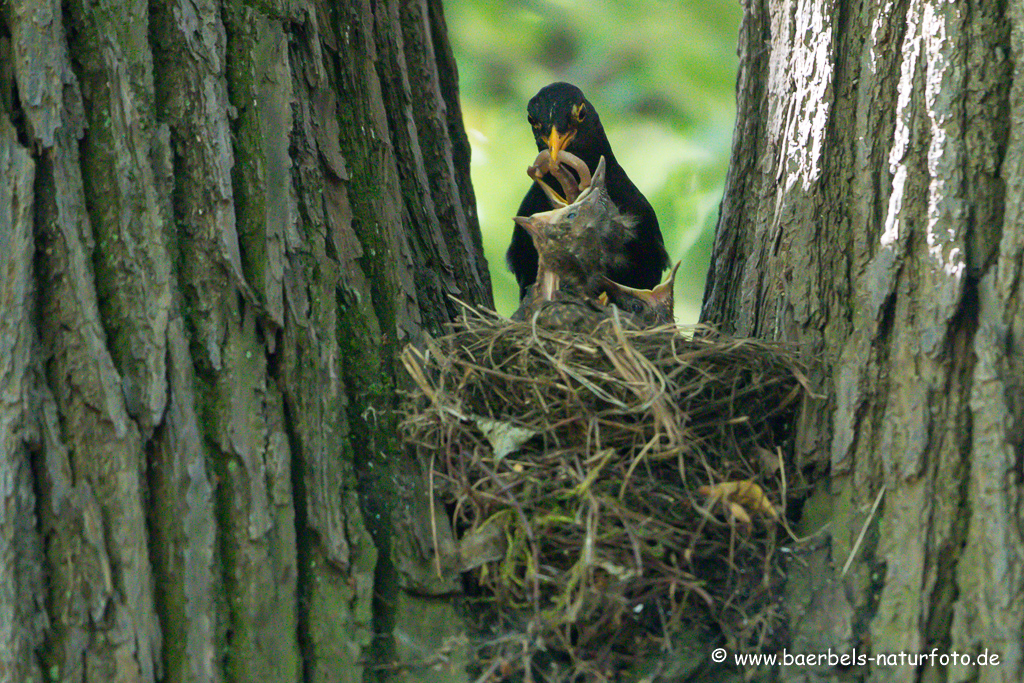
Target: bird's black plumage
560 114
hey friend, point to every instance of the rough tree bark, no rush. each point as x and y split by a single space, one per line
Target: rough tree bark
219 221
874 214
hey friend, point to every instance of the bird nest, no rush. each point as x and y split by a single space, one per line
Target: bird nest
607 489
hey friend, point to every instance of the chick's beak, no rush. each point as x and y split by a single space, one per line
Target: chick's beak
523 221
532 226
663 291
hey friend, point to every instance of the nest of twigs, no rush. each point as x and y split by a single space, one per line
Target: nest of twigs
608 487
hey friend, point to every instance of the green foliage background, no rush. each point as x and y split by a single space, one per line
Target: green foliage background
662 76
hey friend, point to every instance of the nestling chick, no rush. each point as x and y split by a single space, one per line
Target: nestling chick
581 243
646 307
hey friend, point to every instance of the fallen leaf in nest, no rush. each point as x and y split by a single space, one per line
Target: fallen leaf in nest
481 545
738 513
742 498
771 462
504 437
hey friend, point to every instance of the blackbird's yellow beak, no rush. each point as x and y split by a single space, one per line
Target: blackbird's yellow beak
556 143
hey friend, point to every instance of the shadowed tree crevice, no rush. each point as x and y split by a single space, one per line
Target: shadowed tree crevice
305 537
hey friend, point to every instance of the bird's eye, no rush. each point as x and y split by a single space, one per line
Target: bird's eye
533 122
636 306
569 216
579 112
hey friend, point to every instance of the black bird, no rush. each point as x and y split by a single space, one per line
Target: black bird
562 118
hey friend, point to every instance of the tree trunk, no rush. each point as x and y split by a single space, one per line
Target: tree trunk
220 221
873 215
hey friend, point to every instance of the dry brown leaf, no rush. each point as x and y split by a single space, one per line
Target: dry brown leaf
742 498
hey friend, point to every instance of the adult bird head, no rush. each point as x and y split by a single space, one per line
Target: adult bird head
562 118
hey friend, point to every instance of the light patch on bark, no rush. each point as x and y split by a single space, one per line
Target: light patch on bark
802 70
